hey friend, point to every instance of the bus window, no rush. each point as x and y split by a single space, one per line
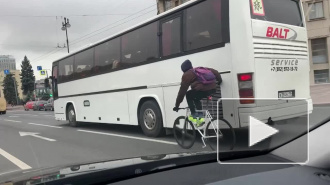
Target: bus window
280 11
66 70
203 25
133 52
105 54
171 37
54 81
83 63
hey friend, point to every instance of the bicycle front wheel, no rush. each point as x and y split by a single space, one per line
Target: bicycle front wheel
222 136
184 132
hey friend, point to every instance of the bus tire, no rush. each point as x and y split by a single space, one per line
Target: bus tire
150 119
72 116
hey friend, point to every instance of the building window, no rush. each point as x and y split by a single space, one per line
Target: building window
315 10
167 5
321 76
319 51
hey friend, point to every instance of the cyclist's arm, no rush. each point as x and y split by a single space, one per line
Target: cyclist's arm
185 83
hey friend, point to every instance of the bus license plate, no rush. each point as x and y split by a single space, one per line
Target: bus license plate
286 94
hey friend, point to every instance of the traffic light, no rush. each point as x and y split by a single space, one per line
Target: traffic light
51 95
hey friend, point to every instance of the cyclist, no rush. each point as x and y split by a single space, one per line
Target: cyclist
203 84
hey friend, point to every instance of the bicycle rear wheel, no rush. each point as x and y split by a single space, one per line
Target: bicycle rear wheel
184 132
224 137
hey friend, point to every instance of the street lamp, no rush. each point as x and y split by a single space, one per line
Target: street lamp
65 26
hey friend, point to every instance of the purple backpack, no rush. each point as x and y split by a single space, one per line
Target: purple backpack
204 75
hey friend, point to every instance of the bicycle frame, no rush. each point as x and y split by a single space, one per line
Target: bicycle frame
207 117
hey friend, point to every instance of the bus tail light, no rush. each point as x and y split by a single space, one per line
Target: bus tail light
245 85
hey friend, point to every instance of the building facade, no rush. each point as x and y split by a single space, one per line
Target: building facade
164 5
318 30
317 15
18 80
7 62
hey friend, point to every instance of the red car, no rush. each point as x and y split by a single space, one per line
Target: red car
29 105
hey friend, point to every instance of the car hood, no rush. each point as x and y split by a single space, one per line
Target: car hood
89 173
42 175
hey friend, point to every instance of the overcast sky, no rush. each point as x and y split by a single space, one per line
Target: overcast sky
33 27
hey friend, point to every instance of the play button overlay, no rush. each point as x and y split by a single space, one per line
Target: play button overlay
258 131
267 131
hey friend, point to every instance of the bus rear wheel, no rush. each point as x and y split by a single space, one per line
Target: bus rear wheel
72 116
150 119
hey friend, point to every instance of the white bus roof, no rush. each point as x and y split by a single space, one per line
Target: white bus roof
130 28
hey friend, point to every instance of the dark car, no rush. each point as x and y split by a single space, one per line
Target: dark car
49 105
39 105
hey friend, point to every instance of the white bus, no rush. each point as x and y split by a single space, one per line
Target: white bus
259 47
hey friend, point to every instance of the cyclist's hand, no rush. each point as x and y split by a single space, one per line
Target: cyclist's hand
176 109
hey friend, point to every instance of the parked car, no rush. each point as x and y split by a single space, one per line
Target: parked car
28 105
39 105
49 105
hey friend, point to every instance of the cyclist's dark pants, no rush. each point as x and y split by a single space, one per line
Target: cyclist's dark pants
194 99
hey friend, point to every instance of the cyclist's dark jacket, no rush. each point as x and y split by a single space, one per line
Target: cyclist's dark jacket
189 79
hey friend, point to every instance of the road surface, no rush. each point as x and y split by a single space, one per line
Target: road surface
33 139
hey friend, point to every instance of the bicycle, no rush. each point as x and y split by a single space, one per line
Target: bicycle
213 134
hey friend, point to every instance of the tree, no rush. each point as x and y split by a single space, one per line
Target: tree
9 88
27 77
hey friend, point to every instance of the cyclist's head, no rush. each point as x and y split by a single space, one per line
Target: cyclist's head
186 65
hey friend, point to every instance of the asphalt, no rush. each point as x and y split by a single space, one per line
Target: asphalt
58 144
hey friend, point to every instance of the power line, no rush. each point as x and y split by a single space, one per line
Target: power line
81 38
107 29
41 46
113 23
41 56
52 16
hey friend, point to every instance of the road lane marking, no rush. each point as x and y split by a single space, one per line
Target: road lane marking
33 134
12 120
44 125
130 137
14 160
9 172
13 116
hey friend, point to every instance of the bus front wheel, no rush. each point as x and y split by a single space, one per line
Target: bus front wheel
72 116
150 119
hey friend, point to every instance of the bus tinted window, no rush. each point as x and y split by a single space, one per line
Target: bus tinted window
280 11
83 63
139 45
66 70
54 81
105 55
171 37
203 25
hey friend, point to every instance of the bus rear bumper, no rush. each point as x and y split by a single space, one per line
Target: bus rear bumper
275 112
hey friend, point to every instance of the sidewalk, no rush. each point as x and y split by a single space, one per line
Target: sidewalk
320 94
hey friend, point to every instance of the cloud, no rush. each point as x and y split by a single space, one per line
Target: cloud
33 27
